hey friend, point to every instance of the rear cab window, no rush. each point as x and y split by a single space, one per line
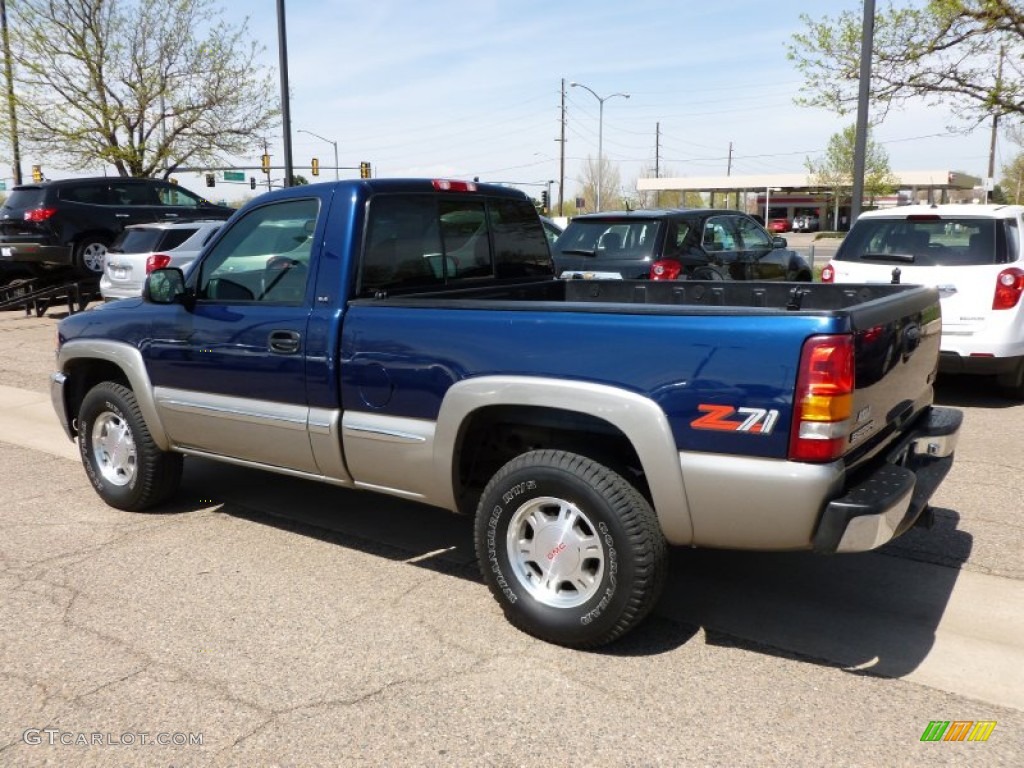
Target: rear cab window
932 241
414 241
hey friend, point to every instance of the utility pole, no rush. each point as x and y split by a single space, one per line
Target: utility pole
863 98
657 162
728 167
995 125
561 158
286 113
12 115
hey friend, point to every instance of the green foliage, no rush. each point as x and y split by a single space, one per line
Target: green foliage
144 85
835 170
1011 183
946 51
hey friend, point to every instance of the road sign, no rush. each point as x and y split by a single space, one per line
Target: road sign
234 175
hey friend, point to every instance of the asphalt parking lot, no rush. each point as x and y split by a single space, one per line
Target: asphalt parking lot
260 620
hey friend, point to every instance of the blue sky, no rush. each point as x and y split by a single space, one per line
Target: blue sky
462 89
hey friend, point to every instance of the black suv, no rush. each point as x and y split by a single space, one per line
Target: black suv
71 222
694 243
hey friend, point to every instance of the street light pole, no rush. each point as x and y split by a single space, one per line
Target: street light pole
600 133
334 143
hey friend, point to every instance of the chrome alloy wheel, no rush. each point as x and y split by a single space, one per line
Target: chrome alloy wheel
93 257
556 552
113 449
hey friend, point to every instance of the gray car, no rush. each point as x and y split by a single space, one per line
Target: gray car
141 248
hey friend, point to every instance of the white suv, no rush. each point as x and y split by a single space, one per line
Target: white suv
972 253
141 248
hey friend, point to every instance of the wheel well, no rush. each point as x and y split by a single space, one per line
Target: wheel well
493 436
96 234
83 375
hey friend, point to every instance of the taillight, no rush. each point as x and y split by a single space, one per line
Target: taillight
446 185
37 215
157 261
828 274
665 269
1009 286
824 399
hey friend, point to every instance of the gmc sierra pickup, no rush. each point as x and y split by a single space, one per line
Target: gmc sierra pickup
409 337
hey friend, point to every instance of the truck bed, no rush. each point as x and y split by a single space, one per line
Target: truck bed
661 297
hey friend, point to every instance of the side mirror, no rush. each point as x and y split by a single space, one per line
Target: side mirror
779 242
165 286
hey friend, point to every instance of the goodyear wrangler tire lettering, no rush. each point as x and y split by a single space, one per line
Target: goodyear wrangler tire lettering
569 549
122 462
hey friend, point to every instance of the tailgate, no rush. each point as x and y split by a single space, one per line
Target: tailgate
896 349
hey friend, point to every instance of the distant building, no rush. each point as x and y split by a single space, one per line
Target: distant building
793 194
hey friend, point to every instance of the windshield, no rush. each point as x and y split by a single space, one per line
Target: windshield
930 241
610 238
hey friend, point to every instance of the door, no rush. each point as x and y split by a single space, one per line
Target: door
239 386
764 261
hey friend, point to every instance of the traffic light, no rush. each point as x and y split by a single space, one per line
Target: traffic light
265 161
211 180
544 200
37 173
364 170
252 182
314 167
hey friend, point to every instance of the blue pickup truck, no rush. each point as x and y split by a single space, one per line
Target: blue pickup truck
409 337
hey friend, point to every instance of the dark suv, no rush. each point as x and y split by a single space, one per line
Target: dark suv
695 243
72 221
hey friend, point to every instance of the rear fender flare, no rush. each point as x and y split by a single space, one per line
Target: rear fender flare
639 418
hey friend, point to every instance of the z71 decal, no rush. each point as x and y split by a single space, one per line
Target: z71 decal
726 418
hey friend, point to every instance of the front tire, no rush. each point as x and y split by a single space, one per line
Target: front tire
570 550
125 466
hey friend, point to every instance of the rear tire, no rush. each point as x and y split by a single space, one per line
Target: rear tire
90 256
125 466
708 273
570 550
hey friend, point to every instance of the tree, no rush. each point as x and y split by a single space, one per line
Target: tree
666 198
611 197
1012 181
834 171
947 51
145 85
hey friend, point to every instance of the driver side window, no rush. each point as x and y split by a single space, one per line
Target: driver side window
264 257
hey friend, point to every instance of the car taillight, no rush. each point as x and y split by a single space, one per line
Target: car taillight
824 399
1009 286
665 269
828 274
157 261
446 185
39 214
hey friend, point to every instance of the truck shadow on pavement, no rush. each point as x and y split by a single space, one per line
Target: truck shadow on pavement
966 391
876 612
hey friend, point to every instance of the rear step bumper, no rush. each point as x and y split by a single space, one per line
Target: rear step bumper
888 500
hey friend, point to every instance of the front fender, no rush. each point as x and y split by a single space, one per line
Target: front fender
129 361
